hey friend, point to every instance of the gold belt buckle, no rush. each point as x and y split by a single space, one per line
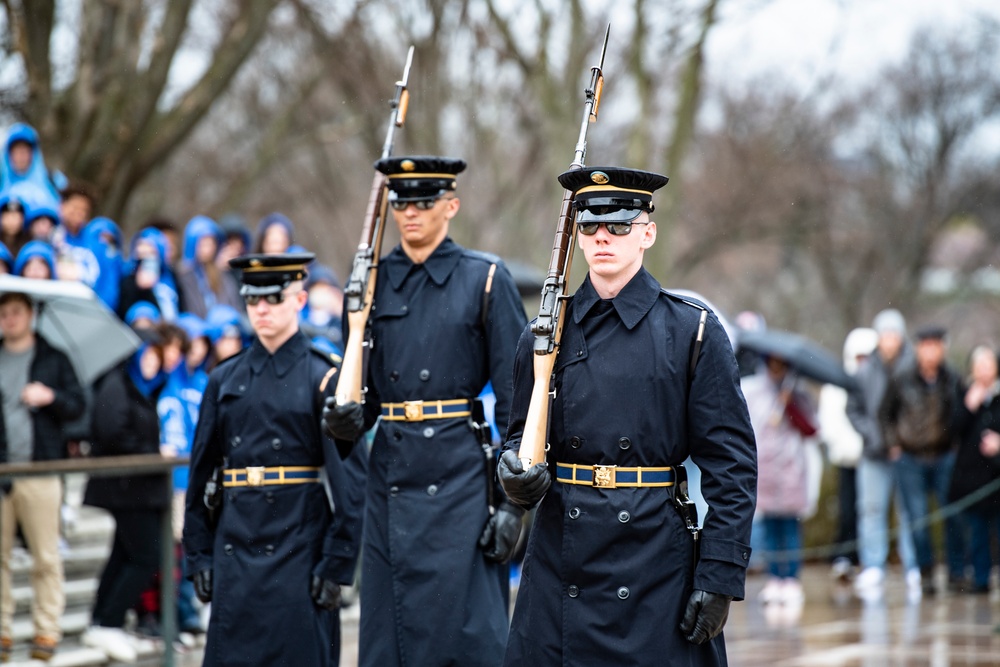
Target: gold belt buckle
255 476
604 477
413 411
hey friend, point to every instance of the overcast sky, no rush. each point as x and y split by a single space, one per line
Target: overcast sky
807 39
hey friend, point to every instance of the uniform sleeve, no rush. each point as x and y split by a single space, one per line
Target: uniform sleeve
206 454
505 320
346 466
722 444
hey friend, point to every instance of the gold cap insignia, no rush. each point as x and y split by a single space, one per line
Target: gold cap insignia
407 165
255 262
599 177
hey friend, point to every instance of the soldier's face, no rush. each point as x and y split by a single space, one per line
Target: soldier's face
610 256
278 320
426 229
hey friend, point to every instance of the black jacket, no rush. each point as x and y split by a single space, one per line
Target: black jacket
125 422
52 368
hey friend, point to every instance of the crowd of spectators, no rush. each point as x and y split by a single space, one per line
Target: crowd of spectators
172 284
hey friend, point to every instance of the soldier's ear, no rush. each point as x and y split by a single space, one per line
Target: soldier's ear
452 206
648 235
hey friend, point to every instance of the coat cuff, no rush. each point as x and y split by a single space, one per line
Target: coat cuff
722 567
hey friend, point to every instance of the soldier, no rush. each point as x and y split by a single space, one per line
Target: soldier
609 575
271 557
445 320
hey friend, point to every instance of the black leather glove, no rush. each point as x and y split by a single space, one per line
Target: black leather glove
325 593
705 616
502 530
203 585
523 488
343 422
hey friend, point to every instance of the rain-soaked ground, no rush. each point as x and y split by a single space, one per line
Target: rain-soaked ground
835 629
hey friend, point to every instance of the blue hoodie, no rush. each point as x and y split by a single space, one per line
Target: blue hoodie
167 297
142 309
111 264
36 173
35 249
273 219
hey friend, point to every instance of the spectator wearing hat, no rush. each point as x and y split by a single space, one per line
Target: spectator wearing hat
41 220
609 554
40 393
273 557
37 260
875 474
447 319
916 417
199 277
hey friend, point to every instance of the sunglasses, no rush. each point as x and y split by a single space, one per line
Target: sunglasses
614 228
421 204
273 299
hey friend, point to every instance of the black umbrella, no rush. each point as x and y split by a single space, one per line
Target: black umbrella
808 358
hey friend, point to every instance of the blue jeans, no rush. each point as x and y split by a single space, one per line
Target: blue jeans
920 478
783 544
876 486
981 526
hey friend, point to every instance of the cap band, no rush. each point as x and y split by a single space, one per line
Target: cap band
410 175
607 188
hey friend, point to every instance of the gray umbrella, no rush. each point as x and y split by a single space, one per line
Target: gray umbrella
73 319
808 358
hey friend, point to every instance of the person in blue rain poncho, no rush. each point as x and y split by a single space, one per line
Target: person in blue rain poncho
149 276
37 260
104 238
203 283
22 161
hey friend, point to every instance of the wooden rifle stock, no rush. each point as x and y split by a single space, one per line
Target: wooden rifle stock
360 289
549 324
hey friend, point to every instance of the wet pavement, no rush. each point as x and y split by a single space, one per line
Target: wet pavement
835 629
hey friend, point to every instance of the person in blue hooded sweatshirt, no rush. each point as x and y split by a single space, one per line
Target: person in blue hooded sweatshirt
275 234
36 260
41 219
203 283
6 259
104 238
143 316
149 276
22 161
125 398
227 332
12 231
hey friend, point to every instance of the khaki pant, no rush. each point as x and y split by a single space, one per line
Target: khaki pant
34 504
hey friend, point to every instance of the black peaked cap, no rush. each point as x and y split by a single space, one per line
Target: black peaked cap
268 274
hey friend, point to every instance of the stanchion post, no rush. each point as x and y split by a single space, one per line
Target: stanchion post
168 592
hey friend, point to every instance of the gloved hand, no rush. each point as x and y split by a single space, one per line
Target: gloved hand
343 422
325 593
203 585
523 488
705 616
502 530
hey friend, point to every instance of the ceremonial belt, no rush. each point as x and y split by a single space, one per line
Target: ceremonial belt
418 411
261 476
611 477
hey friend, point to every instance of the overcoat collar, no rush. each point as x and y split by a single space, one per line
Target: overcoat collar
284 357
631 304
438 265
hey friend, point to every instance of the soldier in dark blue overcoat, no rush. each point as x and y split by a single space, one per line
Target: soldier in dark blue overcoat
609 575
285 534
445 321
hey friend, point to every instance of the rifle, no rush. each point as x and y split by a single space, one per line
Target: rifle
549 325
360 290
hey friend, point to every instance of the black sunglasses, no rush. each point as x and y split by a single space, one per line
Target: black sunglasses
273 299
614 228
421 204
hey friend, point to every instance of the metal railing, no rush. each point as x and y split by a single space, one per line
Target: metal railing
119 466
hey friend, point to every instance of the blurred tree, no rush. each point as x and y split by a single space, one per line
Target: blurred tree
109 115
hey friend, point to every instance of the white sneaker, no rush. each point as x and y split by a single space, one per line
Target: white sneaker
914 585
772 591
868 584
841 571
792 594
113 641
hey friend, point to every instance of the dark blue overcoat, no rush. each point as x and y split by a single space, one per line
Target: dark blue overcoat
608 572
428 596
265 410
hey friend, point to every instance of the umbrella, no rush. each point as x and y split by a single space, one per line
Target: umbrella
72 319
803 355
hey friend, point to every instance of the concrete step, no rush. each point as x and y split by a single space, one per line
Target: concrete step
79 593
